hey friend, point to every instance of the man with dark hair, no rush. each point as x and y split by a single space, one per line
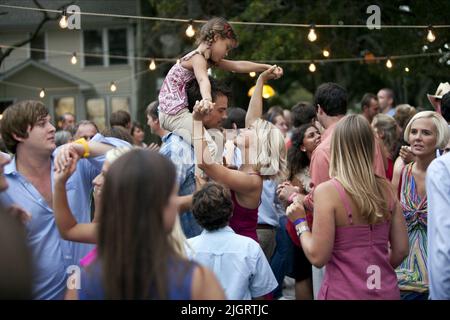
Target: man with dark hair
445 107
235 118
153 120
302 113
238 261
181 152
386 99
30 136
120 118
66 121
369 106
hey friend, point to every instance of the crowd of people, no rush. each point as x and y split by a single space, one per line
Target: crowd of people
234 201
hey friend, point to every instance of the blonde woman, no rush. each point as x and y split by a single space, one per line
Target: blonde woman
263 157
387 131
359 231
426 132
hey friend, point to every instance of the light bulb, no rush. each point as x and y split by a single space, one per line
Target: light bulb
312 36
312 67
389 63
406 69
430 36
42 93
446 46
74 60
190 31
252 74
152 65
178 61
63 21
113 87
326 53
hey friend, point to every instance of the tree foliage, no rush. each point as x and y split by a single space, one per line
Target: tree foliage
287 43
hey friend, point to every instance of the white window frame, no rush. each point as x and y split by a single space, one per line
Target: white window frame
105 46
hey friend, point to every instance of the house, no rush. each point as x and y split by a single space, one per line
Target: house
44 70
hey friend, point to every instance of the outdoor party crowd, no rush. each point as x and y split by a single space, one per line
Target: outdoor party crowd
234 202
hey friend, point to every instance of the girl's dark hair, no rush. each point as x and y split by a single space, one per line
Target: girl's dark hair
136 125
216 26
134 248
297 159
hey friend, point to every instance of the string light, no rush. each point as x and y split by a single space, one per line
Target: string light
152 65
389 63
406 69
63 21
326 53
446 46
113 87
430 35
312 36
190 31
252 74
312 67
74 60
42 93
178 61
247 23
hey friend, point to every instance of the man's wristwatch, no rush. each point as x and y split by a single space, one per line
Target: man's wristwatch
300 228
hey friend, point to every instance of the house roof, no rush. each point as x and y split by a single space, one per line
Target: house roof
82 84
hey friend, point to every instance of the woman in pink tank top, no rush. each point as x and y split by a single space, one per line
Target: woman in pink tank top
359 231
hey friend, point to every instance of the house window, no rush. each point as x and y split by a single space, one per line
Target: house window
38 43
96 108
63 105
93 44
117 44
105 43
120 103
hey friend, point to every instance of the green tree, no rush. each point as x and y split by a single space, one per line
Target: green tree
287 43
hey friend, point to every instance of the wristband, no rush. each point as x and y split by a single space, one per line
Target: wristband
85 145
299 220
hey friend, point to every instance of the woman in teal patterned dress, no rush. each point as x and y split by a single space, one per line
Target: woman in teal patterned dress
426 132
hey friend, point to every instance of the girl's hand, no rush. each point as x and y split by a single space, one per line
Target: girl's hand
274 72
62 175
201 109
296 210
406 154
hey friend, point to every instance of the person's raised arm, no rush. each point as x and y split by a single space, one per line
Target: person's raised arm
67 225
233 179
200 66
255 107
82 148
242 66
